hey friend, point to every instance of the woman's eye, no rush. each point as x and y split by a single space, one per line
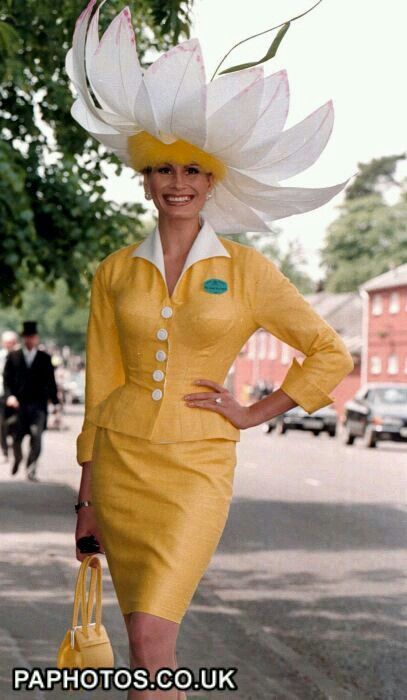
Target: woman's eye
164 169
192 171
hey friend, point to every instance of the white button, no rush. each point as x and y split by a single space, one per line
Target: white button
162 334
160 355
158 375
166 312
157 394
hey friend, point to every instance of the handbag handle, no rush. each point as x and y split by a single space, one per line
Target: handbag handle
80 595
87 607
91 595
95 582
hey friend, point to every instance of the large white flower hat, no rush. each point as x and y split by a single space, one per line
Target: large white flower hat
232 126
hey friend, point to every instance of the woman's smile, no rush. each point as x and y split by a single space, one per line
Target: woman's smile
178 200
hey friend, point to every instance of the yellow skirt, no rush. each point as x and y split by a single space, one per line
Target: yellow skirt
161 510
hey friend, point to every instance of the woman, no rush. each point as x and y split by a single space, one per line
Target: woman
168 317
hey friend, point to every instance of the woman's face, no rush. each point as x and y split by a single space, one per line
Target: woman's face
178 190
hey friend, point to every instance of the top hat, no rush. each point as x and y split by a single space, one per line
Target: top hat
29 328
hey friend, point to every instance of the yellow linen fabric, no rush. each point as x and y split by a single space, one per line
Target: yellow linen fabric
205 333
161 514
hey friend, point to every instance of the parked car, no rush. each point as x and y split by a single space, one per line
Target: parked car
323 420
377 412
75 388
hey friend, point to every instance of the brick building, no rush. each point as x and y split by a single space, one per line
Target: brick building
372 322
384 354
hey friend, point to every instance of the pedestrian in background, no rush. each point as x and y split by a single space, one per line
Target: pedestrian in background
8 342
29 383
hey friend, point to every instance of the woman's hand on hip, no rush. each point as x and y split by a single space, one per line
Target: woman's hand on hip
238 415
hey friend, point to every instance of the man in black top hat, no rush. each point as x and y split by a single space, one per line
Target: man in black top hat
29 383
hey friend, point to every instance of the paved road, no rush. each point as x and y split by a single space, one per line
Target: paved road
305 594
314 556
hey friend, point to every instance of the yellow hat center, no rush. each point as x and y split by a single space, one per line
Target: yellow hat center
147 151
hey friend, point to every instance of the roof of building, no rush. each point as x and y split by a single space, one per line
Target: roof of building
392 278
343 311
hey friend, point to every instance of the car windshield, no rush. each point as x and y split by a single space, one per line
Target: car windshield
388 395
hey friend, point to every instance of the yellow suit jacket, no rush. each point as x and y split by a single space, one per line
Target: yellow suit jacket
145 349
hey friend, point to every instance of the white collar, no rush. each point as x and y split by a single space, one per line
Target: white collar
206 245
28 352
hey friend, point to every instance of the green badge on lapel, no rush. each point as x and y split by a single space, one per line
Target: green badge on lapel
215 286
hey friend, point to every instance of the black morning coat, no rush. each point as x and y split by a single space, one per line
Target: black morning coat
33 385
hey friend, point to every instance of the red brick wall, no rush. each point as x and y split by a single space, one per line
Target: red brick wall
247 369
386 336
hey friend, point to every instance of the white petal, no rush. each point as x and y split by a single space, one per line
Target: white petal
225 87
235 120
113 140
269 125
279 202
105 134
75 60
230 215
75 67
88 120
176 85
114 70
92 44
297 148
144 111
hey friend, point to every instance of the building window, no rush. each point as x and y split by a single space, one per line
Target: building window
394 303
285 354
377 305
375 364
272 347
262 346
392 364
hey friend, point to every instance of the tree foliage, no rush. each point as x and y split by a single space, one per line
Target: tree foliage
370 234
290 262
374 177
60 319
54 216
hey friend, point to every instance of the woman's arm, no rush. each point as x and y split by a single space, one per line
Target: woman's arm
269 407
279 308
84 493
86 524
104 366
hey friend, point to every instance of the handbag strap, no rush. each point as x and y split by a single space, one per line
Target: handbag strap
91 596
87 606
80 595
95 585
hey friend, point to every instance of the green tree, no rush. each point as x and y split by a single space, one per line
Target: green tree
290 262
369 235
375 177
60 319
54 215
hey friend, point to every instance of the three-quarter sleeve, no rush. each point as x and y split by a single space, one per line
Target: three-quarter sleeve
104 366
279 308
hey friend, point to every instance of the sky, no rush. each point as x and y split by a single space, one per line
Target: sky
350 51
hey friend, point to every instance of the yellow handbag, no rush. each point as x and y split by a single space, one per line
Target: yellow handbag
87 645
